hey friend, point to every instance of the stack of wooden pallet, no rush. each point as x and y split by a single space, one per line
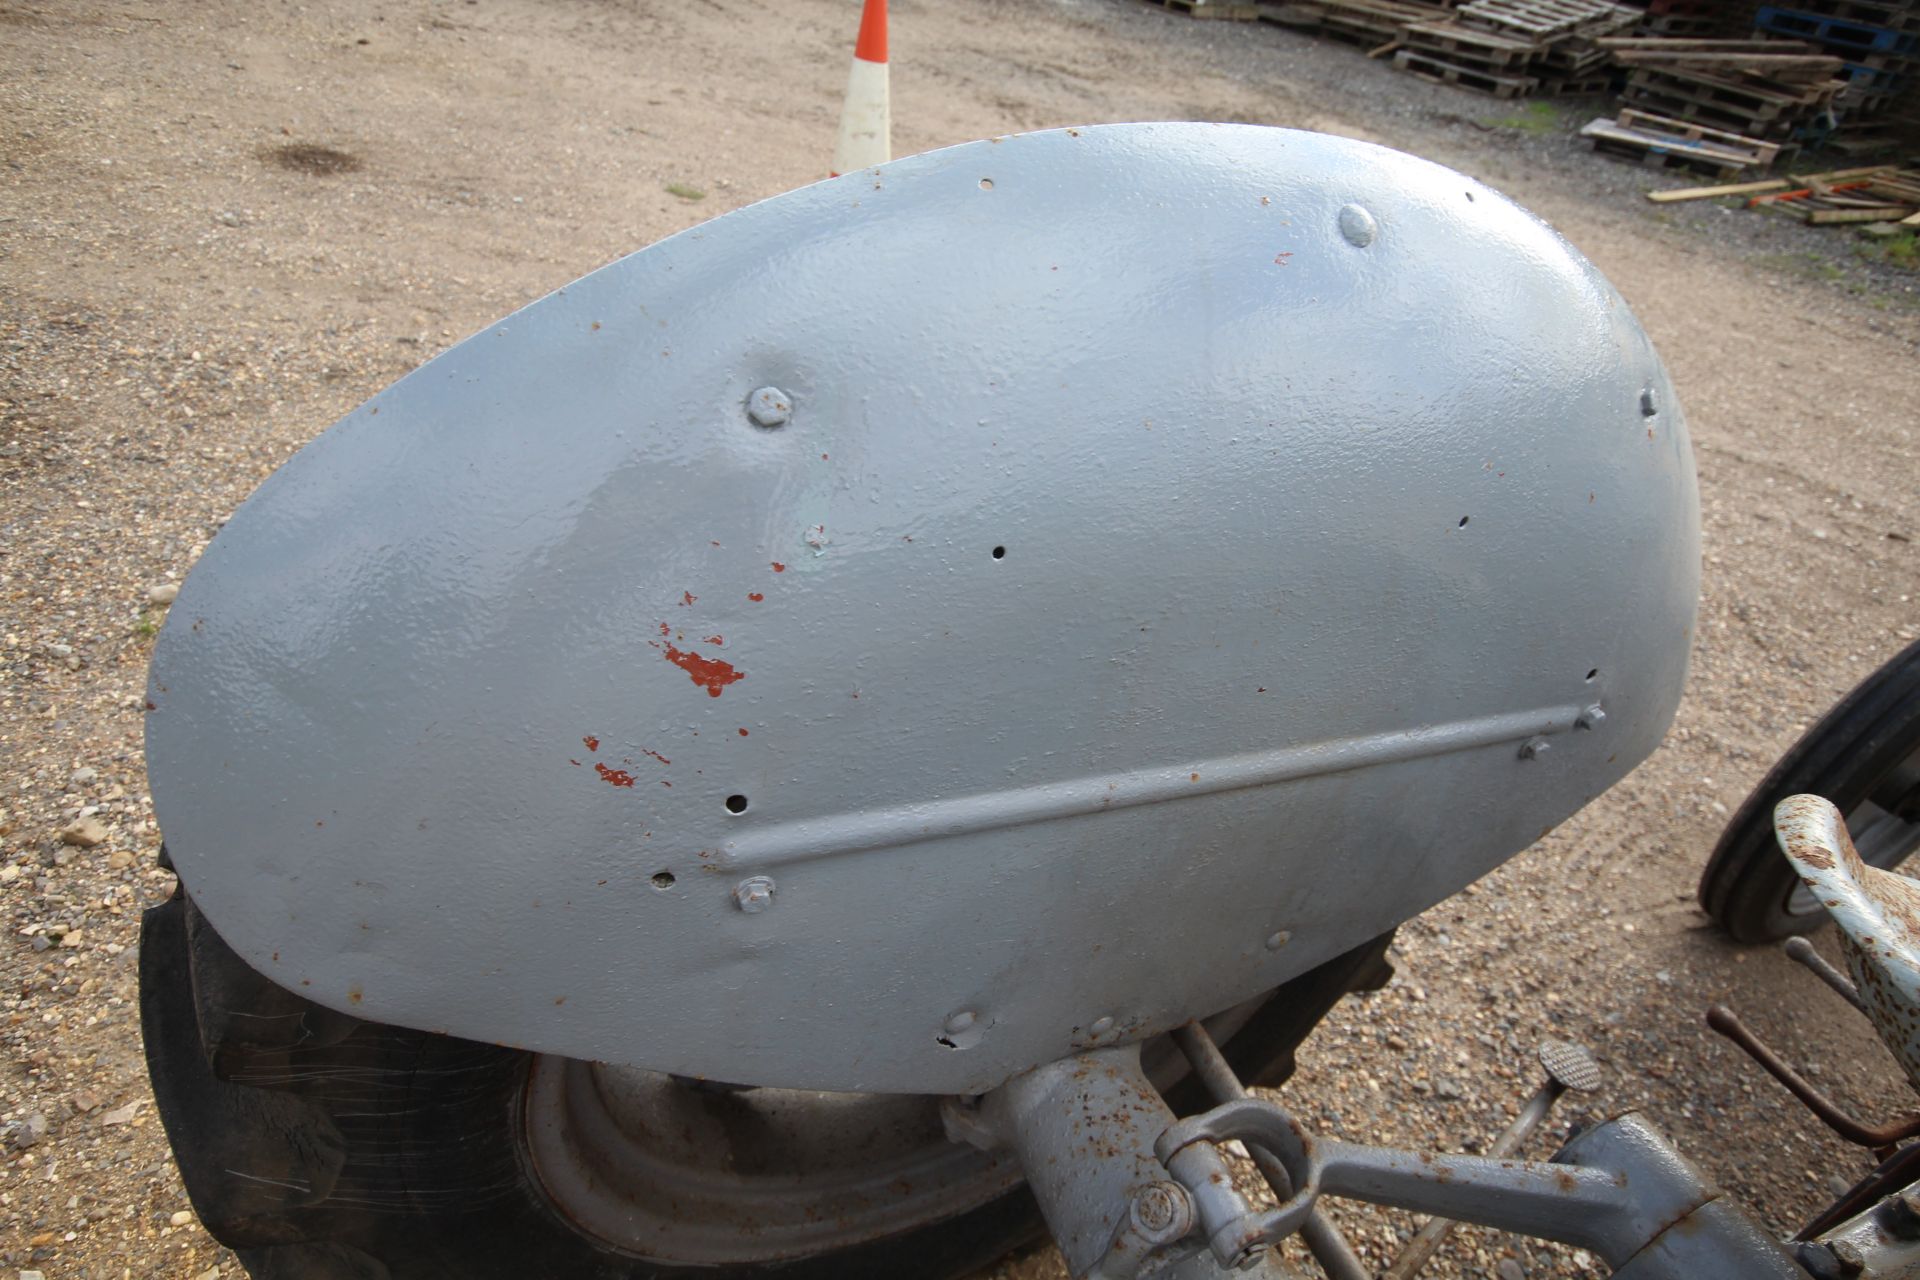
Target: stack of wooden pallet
1369 23
1761 90
1513 47
1879 193
1719 106
1878 41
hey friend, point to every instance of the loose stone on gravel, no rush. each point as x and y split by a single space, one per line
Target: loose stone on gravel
27 1132
84 834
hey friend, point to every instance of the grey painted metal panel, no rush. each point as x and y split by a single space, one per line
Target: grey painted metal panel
1312 528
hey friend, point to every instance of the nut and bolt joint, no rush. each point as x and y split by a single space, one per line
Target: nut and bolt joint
1831 1259
770 407
1591 717
1900 1215
754 894
1162 1212
1533 748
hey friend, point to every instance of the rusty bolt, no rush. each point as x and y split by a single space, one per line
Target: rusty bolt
1162 1212
1533 748
1591 717
754 894
770 407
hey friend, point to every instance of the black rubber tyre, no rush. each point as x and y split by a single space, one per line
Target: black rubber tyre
322 1147
1863 756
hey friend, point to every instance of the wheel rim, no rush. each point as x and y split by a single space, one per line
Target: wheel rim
682 1172
1884 827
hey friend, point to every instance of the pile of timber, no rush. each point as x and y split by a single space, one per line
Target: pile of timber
1715 105
1877 193
1503 47
1514 47
1770 90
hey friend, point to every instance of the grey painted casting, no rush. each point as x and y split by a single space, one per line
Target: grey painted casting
1152 557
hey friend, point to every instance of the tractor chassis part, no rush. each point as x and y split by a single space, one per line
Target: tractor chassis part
1128 1191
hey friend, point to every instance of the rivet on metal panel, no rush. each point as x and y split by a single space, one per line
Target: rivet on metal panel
770 407
960 1021
1533 748
1162 1212
1358 226
1101 1025
754 894
1591 717
1275 941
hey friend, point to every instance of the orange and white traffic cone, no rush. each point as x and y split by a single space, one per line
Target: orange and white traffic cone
866 122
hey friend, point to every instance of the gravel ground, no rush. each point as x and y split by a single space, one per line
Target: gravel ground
223 224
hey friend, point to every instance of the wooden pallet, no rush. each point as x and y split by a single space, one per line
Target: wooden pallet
1365 22
1233 11
1897 15
1754 101
1451 42
1659 142
1543 19
1500 86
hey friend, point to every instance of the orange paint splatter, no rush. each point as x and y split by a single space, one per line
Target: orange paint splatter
687 597
743 733
715 640
665 630
593 743
657 756
755 596
574 763
1280 260
710 673
616 777
778 567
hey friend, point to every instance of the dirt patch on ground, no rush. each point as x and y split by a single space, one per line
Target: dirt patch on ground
177 316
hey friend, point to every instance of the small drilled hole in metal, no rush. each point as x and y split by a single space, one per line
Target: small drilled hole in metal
1463 522
999 553
736 804
1593 675
986 184
663 879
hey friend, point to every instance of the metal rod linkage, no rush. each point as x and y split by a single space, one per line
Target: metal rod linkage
1330 1249
1880 1139
1801 951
